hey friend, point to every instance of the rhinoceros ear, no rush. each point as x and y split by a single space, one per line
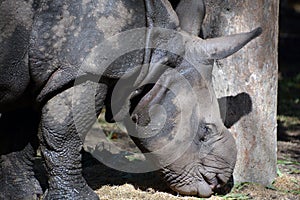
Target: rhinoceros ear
191 15
222 47
159 13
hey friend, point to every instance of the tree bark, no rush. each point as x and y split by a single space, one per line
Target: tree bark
249 77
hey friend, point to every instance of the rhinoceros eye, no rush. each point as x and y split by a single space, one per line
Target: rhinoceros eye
206 129
204 132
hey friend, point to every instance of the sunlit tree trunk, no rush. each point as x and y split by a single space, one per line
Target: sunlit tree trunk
250 78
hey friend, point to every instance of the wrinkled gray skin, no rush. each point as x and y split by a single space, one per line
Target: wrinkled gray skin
43 44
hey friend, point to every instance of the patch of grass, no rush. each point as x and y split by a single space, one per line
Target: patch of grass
133 157
240 186
289 122
294 170
296 192
287 162
279 173
237 192
110 135
271 187
290 165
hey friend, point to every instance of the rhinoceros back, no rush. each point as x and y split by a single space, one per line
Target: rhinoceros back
65 32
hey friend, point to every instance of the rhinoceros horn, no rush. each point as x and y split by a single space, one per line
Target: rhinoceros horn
222 47
211 49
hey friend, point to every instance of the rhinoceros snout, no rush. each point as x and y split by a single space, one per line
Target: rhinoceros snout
204 187
203 171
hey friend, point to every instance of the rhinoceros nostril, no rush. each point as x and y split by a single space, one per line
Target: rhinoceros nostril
215 183
225 184
222 179
211 179
134 118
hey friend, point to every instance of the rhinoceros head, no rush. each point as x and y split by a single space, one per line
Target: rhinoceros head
177 120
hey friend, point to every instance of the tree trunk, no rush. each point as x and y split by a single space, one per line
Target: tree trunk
249 77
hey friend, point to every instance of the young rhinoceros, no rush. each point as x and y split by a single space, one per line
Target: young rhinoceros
54 56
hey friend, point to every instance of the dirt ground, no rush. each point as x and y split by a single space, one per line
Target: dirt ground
114 184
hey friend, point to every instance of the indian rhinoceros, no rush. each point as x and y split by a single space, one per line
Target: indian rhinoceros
50 67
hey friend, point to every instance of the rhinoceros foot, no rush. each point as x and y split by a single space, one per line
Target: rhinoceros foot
17 182
75 193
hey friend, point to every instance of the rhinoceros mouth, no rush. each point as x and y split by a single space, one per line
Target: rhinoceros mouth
199 185
202 188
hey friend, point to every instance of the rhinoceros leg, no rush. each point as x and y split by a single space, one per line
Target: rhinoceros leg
64 118
17 149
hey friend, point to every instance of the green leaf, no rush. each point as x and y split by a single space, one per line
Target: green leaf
279 172
287 162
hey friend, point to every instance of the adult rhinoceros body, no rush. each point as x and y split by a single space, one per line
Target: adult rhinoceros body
48 74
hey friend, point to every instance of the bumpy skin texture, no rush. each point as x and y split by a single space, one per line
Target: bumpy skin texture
16 22
43 46
61 144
